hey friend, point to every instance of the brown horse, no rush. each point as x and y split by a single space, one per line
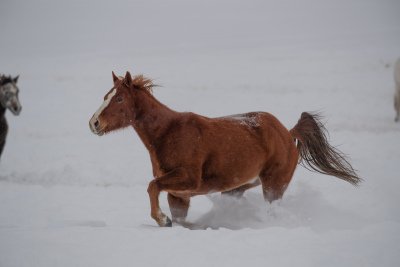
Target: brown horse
194 155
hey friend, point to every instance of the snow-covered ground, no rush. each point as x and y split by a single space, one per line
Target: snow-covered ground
69 198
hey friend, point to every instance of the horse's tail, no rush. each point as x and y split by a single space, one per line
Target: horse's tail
315 151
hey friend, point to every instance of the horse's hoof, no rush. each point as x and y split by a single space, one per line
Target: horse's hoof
168 223
165 222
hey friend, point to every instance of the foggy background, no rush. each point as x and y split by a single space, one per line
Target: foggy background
70 198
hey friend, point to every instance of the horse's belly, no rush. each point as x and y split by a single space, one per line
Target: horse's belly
230 178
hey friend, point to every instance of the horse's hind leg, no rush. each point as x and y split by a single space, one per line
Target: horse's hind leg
275 180
274 185
179 207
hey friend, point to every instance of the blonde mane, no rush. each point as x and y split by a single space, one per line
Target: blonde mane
142 83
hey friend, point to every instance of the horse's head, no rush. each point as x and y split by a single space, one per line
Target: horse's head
9 94
117 110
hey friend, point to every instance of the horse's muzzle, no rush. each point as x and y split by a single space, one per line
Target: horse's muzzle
15 109
94 125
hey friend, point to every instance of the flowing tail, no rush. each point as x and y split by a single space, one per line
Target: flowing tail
316 154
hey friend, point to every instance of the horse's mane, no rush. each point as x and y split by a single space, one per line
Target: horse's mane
5 79
142 83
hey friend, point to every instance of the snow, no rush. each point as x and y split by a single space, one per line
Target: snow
65 202
249 120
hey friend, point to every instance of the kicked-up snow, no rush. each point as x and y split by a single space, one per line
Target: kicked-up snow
71 198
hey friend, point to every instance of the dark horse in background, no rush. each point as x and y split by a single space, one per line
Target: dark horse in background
194 155
8 100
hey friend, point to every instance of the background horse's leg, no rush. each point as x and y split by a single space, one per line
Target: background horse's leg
2 144
238 192
179 207
3 133
397 102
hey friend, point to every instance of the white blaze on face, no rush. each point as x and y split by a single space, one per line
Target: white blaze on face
101 108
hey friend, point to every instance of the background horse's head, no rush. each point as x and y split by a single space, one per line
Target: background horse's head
9 94
117 110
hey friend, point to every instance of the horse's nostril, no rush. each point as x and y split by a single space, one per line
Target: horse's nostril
96 124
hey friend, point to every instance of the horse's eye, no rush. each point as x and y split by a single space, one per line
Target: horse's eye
119 99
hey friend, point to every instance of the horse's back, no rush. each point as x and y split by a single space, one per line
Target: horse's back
262 125
257 132
253 136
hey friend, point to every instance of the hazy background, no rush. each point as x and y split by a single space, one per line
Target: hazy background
69 198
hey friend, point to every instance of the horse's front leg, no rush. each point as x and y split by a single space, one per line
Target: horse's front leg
175 181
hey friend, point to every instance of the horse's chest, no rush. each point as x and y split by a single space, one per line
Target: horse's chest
160 165
166 158
157 169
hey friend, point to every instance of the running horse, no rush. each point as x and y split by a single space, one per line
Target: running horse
195 155
8 100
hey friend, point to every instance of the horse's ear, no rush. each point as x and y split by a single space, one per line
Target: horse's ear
128 78
15 80
115 77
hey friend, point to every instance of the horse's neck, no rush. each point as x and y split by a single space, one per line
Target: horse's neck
2 110
152 120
